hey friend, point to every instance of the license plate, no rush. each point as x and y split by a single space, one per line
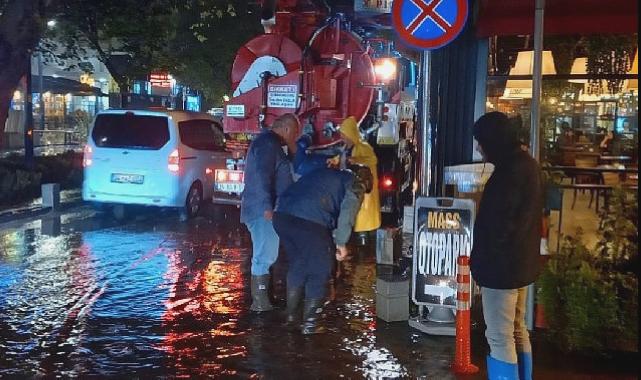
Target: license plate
227 187
127 178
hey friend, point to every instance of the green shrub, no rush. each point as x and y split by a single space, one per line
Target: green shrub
19 183
590 296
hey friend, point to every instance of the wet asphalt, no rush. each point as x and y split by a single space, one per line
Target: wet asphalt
84 295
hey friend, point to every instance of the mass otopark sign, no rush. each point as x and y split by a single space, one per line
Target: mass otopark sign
443 232
429 24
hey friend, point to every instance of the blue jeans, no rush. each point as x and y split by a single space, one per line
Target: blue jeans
264 245
504 314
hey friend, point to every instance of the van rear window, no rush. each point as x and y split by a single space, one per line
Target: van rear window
130 131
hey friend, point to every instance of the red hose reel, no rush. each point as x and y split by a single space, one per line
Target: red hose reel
331 79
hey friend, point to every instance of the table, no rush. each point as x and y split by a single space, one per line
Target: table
615 158
598 187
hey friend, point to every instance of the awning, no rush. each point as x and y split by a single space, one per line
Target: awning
562 17
61 85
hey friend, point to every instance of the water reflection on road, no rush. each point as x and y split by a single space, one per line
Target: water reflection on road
155 297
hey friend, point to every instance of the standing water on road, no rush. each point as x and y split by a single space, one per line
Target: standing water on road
82 295
155 297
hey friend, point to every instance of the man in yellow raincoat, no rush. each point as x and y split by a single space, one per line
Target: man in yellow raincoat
369 216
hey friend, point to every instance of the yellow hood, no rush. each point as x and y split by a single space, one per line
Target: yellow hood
349 128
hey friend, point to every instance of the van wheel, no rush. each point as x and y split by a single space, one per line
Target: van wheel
194 201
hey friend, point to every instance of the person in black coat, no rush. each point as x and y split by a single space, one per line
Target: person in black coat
314 219
507 236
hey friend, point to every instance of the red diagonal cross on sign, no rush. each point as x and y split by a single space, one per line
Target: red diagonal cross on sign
427 10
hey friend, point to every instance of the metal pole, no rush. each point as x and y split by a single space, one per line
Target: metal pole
535 112
425 147
535 117
28 121
41 91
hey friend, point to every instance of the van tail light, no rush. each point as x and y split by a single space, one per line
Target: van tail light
387 182
87 156
173 163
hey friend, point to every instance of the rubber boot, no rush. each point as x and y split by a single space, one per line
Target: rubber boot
525 365
294 298
500 370
312 317
260 295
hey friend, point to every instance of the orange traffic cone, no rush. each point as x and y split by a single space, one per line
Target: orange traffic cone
463 351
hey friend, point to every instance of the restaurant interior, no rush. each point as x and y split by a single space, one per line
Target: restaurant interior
589 118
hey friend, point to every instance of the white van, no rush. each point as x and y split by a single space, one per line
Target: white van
153 158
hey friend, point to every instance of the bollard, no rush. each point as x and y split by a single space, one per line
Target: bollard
51 196
463 351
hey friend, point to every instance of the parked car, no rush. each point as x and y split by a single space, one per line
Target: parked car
153 158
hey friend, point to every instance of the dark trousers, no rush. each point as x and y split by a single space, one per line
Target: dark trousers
310 252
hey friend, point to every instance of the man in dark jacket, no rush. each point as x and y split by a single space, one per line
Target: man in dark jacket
268 173
507 235
314 219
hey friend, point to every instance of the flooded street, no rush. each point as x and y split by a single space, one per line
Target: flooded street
155 297
83 295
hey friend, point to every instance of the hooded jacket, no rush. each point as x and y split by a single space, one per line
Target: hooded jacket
507 231
369 216
328 197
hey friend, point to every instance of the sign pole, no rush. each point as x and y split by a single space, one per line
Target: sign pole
425 147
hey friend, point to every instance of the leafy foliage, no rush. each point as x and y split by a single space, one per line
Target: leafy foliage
590 297
208 35
129 36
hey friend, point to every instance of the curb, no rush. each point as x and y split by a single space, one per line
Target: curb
34 211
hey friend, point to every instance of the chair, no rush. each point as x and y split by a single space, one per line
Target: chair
587 178
610 179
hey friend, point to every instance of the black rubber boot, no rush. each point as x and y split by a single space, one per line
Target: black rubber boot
294 298
260 293
312 317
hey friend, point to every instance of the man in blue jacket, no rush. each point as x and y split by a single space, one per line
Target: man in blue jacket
507 235
267 174
314 219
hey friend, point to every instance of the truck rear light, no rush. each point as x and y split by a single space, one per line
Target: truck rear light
387 182
173 163
221 175
234 177
87 156
224 175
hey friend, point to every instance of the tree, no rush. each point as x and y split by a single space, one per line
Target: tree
131 37
21 25
208 34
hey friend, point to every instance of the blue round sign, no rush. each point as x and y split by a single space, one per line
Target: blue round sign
429 24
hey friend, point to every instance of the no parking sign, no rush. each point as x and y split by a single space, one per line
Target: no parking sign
429 24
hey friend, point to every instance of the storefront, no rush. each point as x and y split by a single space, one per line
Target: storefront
589 99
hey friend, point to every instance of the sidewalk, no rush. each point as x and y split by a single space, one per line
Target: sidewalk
68 198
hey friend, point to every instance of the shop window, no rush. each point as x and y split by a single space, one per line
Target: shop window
580 93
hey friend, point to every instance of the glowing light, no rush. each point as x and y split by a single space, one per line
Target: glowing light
51 23
174 161
17 95
226 98
385 69
208 171
221 175
234 177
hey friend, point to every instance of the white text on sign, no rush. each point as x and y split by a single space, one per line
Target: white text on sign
282 96
438 250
